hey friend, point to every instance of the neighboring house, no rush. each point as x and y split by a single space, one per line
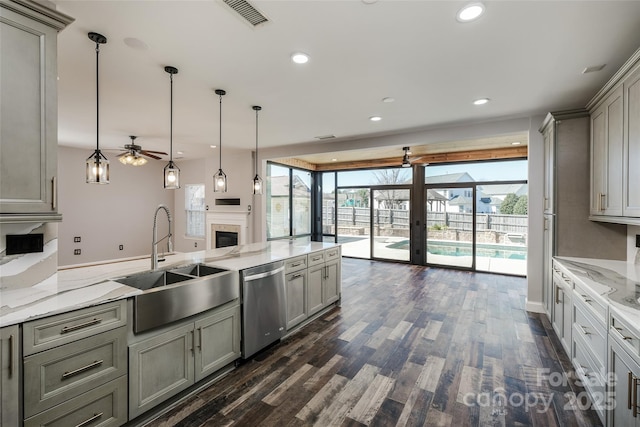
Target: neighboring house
278 207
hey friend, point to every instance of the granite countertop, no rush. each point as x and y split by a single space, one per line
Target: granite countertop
617 282
84 286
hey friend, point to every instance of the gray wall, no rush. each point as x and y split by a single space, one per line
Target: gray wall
106 216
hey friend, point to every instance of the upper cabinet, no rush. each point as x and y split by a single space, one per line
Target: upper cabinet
29 129
615 147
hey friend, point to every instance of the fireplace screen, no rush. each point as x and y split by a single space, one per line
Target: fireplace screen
226 238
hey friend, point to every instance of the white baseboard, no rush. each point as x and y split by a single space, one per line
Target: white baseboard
535 306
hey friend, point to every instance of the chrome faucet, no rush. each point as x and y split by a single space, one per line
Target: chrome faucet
154 245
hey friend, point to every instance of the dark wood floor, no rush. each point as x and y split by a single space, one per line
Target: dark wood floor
410 346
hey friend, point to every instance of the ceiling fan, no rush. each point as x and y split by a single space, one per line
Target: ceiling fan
406 161
133 154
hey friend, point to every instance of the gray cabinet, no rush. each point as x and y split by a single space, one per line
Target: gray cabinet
624 368
331 284
315 289
9 376
160 367
217 341
561 310
631 167
28 77
168 361
607 156
296 287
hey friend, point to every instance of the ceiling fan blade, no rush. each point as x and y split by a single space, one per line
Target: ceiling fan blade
122 154
146 153
155 152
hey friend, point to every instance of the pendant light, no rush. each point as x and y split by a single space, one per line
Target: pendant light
257 181
97 171
171 171
220 178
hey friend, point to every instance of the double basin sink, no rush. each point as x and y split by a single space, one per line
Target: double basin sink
177 293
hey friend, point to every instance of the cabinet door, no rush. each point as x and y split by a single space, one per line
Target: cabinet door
315 289
29 122
332 283
631 168
160 367
598 159
296 289
9 377
625 372
217 341
549 167
547 264
562 314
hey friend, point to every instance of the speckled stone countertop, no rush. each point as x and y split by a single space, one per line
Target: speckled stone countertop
617 282
74 288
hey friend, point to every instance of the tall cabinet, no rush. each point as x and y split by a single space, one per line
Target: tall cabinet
29 130
567 229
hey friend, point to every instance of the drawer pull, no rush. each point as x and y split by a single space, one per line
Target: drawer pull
297 264
558 295
586 299
316 258
296 276
627 338
69 374
90 420
68 329
11 356
584 330
635 396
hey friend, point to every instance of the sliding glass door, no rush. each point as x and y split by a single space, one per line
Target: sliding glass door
450 226
390 224
354 222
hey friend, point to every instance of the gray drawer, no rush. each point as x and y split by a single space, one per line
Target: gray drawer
590 374
104 406
595 305
57 375
295 264
49 332
627 338
593 333
331 254
316 258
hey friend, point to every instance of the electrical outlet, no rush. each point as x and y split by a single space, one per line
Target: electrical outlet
76 239
77 251
195 244
637 240
121 247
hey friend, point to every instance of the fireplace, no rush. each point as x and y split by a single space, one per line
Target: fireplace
226 238
235 222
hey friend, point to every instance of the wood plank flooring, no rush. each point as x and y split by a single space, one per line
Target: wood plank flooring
409 346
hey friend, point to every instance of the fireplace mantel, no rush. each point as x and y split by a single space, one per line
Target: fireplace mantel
227 221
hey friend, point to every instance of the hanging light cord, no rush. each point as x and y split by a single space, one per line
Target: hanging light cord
220 132
171 122
256 141
97 102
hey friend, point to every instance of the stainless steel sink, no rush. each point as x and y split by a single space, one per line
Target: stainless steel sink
177 293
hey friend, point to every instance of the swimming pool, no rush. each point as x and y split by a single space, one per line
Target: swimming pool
459 249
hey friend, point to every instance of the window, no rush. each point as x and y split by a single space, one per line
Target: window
288 202
195 209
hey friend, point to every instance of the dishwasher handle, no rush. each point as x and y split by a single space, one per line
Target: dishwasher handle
251 277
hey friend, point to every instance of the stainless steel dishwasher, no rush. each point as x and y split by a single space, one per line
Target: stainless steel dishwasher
263 307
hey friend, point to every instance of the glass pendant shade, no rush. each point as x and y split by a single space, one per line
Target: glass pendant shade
171 176
133 160
257 184
220 182
97 169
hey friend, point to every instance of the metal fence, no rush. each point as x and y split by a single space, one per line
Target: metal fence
399 218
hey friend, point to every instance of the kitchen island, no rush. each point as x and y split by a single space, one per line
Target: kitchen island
73 337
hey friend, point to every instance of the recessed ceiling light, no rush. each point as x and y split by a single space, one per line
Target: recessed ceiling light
388 99
481 101
369 1
212 146
375 118
516 143
300 58
135 43
470 12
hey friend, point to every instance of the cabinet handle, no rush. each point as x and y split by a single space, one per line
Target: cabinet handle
90 420
54 193
557 295
10 355
200 339
635 396
297 264
586 299
627 338
70 374
584 330
68 329
316 258
295 276
602 199
193 338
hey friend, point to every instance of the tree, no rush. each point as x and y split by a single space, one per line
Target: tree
391 199
506 208
520 208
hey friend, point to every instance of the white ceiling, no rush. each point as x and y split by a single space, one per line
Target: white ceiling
527 56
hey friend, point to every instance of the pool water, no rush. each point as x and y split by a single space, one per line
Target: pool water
464 249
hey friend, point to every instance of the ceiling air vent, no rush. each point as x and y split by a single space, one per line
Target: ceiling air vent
325 137
247 11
